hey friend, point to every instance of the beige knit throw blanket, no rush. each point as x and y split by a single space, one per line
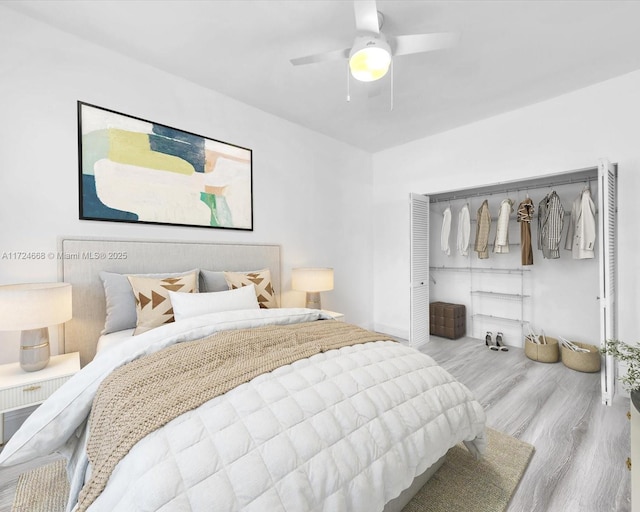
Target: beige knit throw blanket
147 393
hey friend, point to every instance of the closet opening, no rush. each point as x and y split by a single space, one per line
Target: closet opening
564 291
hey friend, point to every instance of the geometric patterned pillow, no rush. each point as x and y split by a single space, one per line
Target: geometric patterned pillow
262 281
153 306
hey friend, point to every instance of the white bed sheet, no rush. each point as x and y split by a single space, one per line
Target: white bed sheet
107 341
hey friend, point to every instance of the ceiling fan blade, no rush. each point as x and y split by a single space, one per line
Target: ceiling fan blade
322 57
417 43
366 16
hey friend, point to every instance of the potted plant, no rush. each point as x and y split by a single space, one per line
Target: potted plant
630 355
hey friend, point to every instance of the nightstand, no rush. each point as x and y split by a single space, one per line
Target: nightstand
19 389
336 316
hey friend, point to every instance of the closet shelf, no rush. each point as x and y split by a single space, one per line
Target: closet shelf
491 270
500 295
501 318
587 175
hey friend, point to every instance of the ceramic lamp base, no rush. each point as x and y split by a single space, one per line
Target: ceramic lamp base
313 300
34 349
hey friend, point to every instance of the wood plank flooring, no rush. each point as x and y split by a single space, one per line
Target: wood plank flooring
581 445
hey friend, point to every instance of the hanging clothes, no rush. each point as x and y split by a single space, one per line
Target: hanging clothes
542 213
482 231
446 231
501 243
525 216
581 236
464 230
550 224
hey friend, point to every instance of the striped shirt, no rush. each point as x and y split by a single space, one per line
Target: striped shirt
550 224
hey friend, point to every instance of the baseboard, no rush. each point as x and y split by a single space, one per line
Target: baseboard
393 331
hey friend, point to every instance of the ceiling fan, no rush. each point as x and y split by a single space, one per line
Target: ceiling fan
372 51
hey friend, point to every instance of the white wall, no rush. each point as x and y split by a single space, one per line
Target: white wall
567 133
312 194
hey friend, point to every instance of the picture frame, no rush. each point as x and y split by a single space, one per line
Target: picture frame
139 171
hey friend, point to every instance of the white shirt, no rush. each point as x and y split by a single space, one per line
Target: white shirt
501 244
446 231
581 237
464 230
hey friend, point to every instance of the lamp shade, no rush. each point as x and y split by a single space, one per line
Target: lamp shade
34 305
312 279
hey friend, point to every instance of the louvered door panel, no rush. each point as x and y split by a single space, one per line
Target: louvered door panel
608 270
419 329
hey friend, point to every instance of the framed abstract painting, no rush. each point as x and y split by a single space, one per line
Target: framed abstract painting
133 170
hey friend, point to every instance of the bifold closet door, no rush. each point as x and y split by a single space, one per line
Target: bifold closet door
608 270
419 269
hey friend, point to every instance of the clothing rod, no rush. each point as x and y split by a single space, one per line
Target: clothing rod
514 215
481 269
513 187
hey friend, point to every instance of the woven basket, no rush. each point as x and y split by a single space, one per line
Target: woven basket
544 353
588 362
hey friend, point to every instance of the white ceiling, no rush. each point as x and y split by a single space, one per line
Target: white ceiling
511 54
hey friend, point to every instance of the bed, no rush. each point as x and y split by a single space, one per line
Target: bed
279 409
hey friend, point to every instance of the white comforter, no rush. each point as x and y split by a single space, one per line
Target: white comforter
346 430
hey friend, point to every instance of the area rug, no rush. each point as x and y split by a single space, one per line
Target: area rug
462 483
466 484
43 489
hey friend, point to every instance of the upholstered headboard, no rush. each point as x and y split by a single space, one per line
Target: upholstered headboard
81 260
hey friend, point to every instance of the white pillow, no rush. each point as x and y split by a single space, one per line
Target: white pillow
186 305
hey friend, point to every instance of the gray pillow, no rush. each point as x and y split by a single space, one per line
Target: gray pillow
121 303
212 281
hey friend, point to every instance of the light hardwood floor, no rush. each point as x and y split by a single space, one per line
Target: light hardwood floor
580 445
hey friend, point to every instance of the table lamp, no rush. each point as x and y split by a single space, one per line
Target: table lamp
32 308
313 281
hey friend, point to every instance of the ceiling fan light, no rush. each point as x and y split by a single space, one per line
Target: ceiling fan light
370 64
370 58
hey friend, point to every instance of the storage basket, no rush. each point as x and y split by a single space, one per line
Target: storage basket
544 353
588 362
